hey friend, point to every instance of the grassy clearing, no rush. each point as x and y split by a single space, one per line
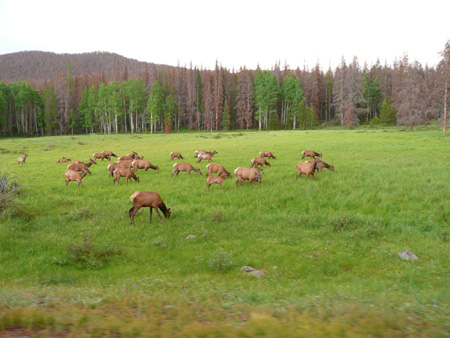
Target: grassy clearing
72 263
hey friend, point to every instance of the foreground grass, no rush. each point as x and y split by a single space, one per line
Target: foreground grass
72 264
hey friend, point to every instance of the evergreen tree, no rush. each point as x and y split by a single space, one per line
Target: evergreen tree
50 109
388 113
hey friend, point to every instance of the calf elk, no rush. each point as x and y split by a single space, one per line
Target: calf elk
215 180
73 175
63 159
259 161
149 199
321 165
175 154
267 154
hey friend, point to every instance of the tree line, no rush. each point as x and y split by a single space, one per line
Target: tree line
189 98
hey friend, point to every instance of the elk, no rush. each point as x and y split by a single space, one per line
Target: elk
218 169
310 153
101 156
207 156
124 172
174 154
149 199
80 166
22 159
63 159
109 154
200 152
128 157
250 174
259 161
120 164
177 167
306 168
321 165
215 179
73 175
143 164
267 154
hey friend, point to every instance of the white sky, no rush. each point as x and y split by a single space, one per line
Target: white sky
234 32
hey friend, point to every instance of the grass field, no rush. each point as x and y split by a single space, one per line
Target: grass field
72 265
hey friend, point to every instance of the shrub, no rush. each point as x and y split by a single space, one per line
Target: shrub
9 190
220 261
87 255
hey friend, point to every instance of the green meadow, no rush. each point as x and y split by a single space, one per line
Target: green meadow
71 265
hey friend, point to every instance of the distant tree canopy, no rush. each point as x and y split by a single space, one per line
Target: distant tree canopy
152 98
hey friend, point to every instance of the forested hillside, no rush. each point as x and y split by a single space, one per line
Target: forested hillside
46 93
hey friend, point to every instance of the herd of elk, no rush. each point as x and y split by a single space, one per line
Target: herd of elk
126 166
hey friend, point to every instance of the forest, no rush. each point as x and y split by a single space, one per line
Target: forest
48 94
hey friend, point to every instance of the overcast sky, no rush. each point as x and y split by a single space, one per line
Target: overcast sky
235 32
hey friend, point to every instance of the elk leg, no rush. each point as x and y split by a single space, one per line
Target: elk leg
132 212
160 218
151 212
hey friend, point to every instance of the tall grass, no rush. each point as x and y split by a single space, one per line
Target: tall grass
328 246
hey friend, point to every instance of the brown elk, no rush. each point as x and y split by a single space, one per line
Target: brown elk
177 167
63 159
73 175
215 179
128 157
143 164
120 164
80 166
174 154
101 156
218 169
306 168
310 153
124 172
22 159
109 154
250 174
207 156
321 165
199 152
149 199
267 154
259 161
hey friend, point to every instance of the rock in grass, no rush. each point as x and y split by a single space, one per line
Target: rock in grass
252 271
407 255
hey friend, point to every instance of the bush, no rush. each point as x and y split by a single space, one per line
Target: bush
9 190
220 261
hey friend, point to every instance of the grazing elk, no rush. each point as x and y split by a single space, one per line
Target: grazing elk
101 156
321 165
215 179
200 152
73 175
174 154
259 161
177 167
218 169
22 159
250 174
310 153
207 156
109 154
124 172
63 159
149 199
120 164
143 164
306 168
80 166
128 157
267 154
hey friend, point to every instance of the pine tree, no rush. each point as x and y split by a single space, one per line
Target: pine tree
226 116
388 113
